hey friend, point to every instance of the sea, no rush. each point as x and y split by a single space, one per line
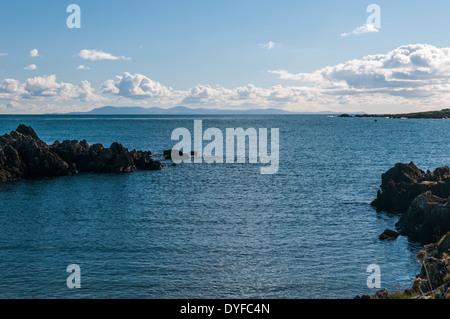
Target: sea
215 230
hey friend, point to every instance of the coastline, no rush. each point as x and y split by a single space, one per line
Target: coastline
422 200
442 114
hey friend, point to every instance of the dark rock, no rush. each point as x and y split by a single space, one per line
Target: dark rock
404 182
389 235
24 155
144 161
427 219
344 115
406 173
168 154
28 131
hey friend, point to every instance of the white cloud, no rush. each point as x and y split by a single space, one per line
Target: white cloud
269 45
30 67
83 67
34 53
410 72
365 28
135 86
3 54
46 87
306 77
97 55
410 77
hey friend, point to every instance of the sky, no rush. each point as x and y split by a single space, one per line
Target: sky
302 56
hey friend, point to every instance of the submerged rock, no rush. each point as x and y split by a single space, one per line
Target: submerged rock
179 155
389 235
24 155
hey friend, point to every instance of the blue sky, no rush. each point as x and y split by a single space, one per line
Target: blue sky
223 54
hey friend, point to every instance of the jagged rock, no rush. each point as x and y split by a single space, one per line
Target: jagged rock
389 235
407 173
143 160
24 155
404 182
427 219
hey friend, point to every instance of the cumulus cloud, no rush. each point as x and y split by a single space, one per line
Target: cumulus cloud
410 71
97 55
30 67
411 77
46 87
34 53
365 28
83 67
135 86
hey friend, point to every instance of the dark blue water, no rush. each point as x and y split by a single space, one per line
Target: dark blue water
215 231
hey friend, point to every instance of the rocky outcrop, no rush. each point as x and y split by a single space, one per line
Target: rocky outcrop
427 219
404 182
24 155
424 201
422 198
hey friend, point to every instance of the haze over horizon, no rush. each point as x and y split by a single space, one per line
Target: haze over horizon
291 55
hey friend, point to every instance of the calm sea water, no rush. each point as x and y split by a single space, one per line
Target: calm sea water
215 231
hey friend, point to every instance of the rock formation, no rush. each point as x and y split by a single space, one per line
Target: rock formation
422 199
404 182
427 219
24 155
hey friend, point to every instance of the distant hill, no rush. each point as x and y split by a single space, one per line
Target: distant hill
137 110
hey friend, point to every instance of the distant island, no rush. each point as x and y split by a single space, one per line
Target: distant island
137 110
442 114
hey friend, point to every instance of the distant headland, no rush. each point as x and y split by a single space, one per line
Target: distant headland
442 114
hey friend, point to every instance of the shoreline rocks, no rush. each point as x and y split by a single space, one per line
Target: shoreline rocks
422 199
423 202
404 182
24 155
427 219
